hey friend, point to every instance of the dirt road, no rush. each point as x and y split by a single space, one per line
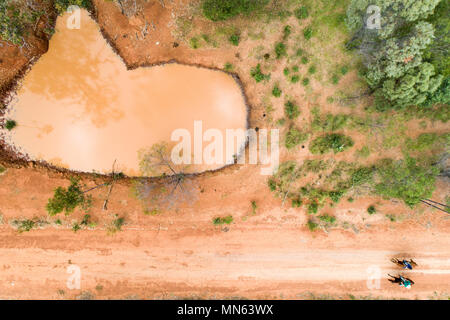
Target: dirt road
247 261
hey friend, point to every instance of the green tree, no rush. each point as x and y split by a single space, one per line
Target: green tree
406 180
67 199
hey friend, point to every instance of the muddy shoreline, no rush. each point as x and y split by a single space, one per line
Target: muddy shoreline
9 157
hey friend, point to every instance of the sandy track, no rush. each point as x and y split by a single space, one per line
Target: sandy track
245 262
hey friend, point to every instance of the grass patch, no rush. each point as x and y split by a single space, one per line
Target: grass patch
294 137
222 220
291 110
330 142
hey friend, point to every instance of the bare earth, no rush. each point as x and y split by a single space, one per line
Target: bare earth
181 254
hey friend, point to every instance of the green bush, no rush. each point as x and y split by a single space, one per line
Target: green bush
312 69
335 79
223 220
294 137
295 78
228 67
276 91
312 226
307 33
313 207
296 203
194 43
286 32
304 60
67 199
327 219
10 124
423 142
301 13
234 39
406 180
371 210
291 110
344 70
257 74
305 81
295 68
286 71
280 50
330 142
217 10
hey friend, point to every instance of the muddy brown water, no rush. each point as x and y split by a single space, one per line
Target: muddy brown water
81 109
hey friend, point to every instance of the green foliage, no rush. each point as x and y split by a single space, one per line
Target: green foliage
294 137
406 180
291 110
67 199
223 220
312 70
75 227
281 181
2 169
217 10
296 203
280 50
336 196
335 79
25 225
116 224
328 122
194 43
295 78
257 74
304 60
423 142
276 91
313 207
228 67
305 81
62 5
254 207
328 219
286 32
308 33
312 226
371 209
394 55
330 142
344 70
301 13
15 19
234 39
413 87
10 124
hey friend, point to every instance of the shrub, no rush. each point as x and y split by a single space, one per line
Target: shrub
307 33
296 203
272 184
228 67
312 69
286 32
344 70
76 227
327 219
116 224
276 91
286 71
299 52
217 10
258 75
24 225
291 110
423 142
313 207
312 226
10 124
305 81
371 210
193 42
295 78
334 79
67 199
330 142
294 137
304 60
280 50
301 13
295 68
254 207
223 220
406 180
234 39
335 196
